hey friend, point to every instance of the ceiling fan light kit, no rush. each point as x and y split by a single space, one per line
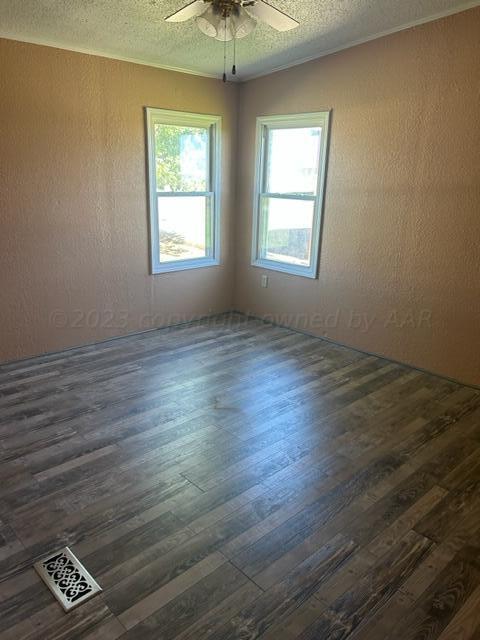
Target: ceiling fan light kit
227 20
225 28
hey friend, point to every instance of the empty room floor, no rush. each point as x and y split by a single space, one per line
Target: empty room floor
233 480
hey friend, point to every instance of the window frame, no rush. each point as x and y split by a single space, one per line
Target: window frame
292 121
181 118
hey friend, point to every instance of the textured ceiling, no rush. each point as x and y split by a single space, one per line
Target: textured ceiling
135 30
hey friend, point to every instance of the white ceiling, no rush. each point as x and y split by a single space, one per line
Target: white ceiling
135 30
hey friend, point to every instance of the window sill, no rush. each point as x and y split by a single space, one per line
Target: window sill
293 270
184 265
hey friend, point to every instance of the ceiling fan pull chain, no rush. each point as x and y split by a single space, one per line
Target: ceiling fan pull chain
234 68
225 53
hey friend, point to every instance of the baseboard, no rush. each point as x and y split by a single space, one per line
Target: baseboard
131 334
367 353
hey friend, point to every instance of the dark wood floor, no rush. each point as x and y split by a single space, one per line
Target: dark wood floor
234 480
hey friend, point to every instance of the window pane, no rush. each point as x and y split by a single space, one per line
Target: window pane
287 230
183 223
181 155
292 160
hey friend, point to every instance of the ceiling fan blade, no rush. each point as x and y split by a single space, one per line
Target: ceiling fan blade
274 17
191 10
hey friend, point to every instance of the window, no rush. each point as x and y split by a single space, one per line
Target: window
183 164
291 166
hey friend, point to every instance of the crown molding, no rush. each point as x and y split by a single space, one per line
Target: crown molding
110 56
353 43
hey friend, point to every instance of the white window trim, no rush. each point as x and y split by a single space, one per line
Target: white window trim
322 119
162 116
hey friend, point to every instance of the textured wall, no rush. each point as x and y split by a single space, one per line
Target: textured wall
402 218
73 213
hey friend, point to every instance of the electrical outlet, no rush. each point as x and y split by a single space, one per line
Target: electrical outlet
264 282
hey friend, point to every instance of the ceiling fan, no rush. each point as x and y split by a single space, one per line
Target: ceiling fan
227 20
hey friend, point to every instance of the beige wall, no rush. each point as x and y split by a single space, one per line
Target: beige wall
73 213
402 217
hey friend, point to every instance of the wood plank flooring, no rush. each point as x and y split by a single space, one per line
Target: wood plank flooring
234 480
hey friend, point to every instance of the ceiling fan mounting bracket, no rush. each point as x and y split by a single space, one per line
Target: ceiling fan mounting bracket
227 8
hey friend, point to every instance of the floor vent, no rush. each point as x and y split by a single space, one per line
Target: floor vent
67 579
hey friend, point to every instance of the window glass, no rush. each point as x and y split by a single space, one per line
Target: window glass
292 160
182 227
288 233
181 158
